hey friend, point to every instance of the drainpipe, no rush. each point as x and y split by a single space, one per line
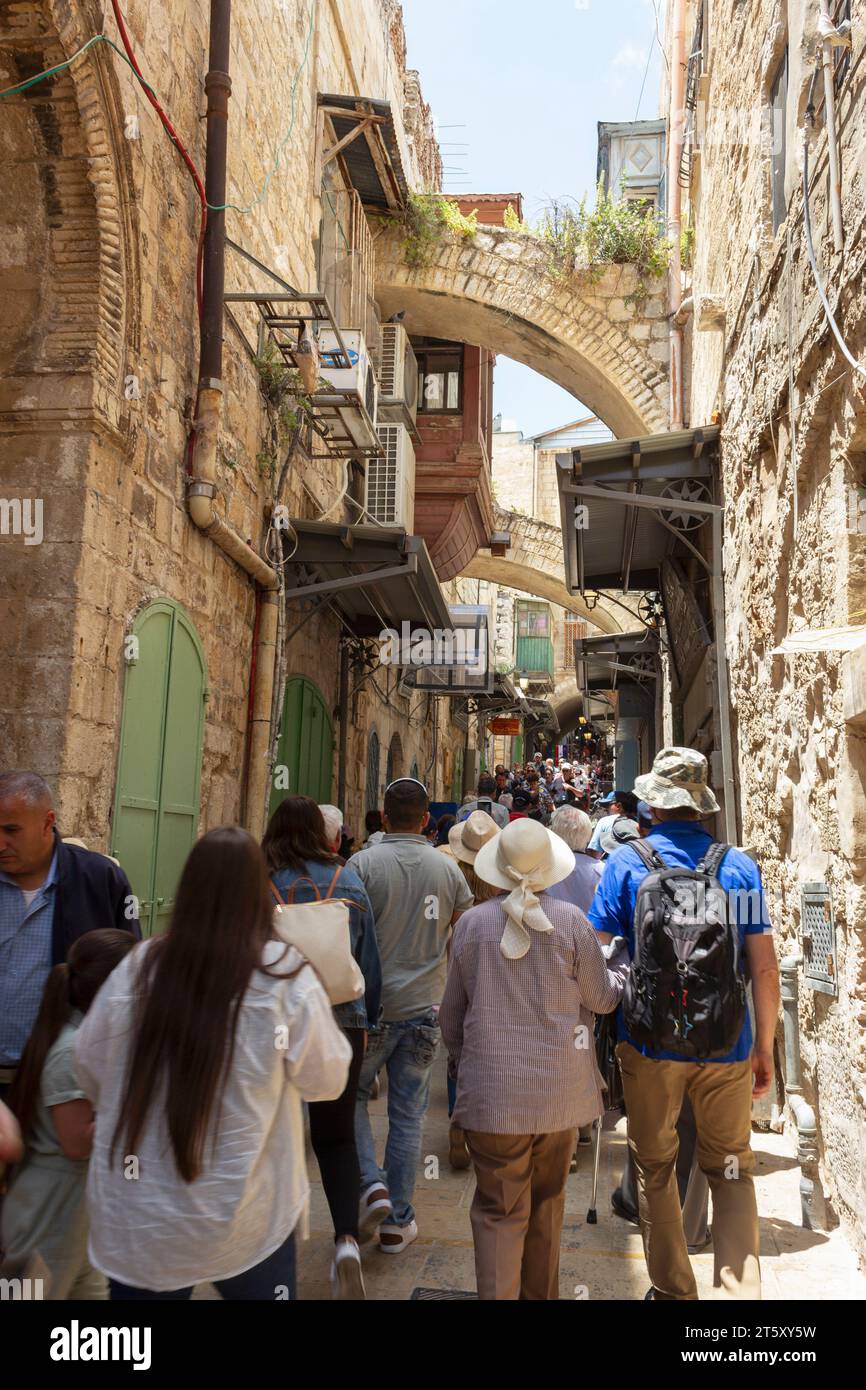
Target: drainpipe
202 486
829 31
676 124
811 1192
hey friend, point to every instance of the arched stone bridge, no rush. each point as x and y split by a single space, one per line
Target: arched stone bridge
495 290
534 565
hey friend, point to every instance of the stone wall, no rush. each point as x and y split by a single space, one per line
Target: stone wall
99 364
791 562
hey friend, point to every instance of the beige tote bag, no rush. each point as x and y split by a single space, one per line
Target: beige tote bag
320 931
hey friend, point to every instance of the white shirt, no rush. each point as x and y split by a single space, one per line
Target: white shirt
156 1231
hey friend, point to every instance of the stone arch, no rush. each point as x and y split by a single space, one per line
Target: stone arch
394 763
495 290
534 565
67 214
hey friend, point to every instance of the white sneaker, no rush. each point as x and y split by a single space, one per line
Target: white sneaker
394 1239
347 1281
375 1207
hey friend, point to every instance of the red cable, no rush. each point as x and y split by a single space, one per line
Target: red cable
179 145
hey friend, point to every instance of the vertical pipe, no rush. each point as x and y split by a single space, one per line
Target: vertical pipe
719 631
218 87
676 126
259 778
342 755
832 138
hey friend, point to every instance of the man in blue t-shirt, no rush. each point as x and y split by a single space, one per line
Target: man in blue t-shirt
721 1091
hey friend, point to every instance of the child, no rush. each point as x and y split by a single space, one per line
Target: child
44 1212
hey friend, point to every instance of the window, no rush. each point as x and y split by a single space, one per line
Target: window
575 628
533 622
779 141
440 379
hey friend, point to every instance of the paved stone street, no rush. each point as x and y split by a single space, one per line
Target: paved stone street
607 1259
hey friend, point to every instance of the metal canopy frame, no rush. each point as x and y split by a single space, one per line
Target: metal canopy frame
392 557
679 455
283 318
380 161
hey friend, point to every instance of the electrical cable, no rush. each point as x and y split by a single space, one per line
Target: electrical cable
810 248
224 207
179 146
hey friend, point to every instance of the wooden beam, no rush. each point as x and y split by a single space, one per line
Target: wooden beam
346 140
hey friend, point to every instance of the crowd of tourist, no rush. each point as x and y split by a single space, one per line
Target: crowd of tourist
153 1093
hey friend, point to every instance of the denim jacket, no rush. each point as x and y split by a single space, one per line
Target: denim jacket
356 1013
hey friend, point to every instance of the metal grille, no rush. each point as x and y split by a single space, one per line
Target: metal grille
382 477
425 1295
388 364
818 932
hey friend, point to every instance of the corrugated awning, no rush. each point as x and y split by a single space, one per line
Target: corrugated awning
379 577
367 148
612 541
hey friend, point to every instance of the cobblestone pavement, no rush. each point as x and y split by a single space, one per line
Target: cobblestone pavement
606 1259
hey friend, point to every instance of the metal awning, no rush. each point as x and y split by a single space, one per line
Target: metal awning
625 503
605 663
367 149
379 577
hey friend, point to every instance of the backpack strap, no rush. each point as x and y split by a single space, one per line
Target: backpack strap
303 878
649 857
712 859
332 885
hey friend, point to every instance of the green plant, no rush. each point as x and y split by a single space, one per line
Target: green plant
614 232
425 218
266 462
514 223
687 245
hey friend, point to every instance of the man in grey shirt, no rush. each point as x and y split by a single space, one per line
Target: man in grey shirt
486 801
417 894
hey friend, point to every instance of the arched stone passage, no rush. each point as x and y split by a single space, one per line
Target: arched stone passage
534 565
495 290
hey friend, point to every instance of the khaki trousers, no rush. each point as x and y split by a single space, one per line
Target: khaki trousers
517 1212
721 1098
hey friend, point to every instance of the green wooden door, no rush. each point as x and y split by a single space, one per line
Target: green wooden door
162 728
306 745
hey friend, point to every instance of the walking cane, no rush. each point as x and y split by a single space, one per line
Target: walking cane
592 1214
608 951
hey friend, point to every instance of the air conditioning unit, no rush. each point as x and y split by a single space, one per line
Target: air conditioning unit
398 374
355 414
390 498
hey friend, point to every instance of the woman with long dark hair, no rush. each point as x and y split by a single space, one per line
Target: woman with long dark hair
197 1055
304 867
44 1212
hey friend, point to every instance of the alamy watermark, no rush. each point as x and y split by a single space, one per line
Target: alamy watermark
444 646
22 516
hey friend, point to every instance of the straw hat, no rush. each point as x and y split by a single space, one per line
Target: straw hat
467 837
678 778
527 858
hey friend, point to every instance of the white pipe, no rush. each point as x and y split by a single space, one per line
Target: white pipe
832 140
676 128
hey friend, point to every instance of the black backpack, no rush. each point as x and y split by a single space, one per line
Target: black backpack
685 992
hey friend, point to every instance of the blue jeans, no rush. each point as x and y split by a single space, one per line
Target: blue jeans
407 1049
275 1275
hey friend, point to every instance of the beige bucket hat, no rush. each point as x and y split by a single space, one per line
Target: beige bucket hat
467 837
527 858
678 778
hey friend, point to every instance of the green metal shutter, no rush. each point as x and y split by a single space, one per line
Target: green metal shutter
162 728
306 744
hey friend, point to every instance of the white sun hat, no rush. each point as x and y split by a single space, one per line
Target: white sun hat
467 837
527 858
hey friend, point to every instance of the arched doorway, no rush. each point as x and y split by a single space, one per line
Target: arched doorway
156 805
305 751
372 797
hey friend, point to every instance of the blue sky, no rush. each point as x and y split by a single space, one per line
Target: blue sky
517 89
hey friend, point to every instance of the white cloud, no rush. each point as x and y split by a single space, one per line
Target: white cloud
630 56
